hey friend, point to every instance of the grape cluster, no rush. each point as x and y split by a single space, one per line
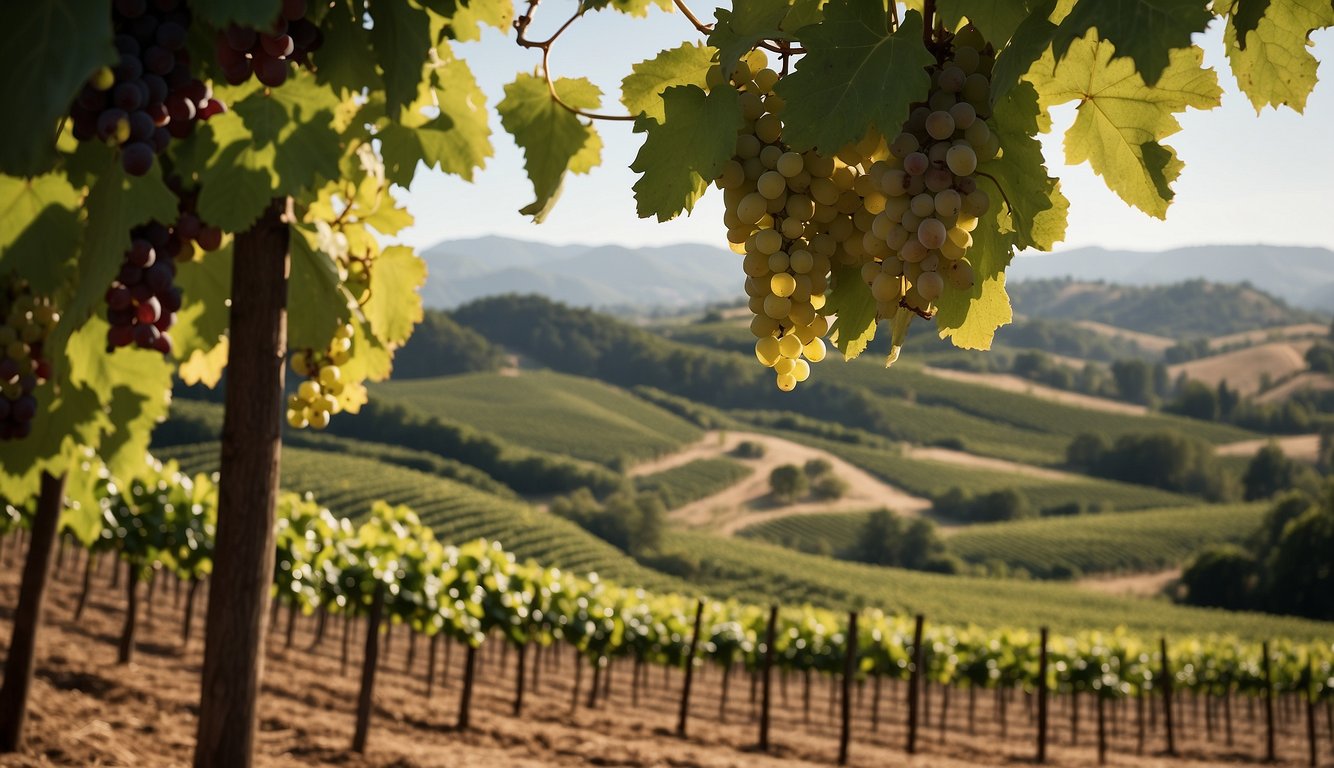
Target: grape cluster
926 186
143 300
771 217
316 399
242 51
150 96
28 320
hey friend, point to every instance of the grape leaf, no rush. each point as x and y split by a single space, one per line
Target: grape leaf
748 22
641 90
316 302
853 307
1029 41
969 319
201 325
251 13
686 151
465 24
997 20
48 49
1120 120
39 229
554 140
1244 16
856 74
631 7
205 366
68 416
1273 62
1020 182
401 40
1147 31
456 140
341 60
395 305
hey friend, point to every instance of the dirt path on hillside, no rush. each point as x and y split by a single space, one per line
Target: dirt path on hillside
1011 383
86 711
1149 584
962 458
748 502
1301 447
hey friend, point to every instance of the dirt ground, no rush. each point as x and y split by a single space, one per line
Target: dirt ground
1011 383
1302 447
86 711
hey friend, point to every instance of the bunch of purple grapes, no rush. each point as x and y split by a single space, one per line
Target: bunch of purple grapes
244 50
25 322
150 96
143 300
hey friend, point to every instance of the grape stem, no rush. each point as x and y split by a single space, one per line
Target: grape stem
928 20
999 188
521 28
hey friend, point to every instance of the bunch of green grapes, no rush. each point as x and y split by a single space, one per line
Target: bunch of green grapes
357 278
771 218
316 399
932 200
27 321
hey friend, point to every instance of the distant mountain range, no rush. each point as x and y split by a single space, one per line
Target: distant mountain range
1303 277
684 275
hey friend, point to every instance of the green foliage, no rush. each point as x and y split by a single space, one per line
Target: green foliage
1221 576
1269 54
788 482
1270 472
693 480
554 140
629 520
1161 459
962 506
686 150
440 347
887 539
643 89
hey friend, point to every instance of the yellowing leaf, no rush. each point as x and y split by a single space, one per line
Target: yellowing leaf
641 90
395 304
457 140
554 140
1120 121
39 229
1273 62
686 151
853 307
1147 32
857 74
1018 180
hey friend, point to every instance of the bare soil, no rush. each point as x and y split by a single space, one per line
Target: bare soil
1244 368
1297 331
87 711
1149 584
1011 383
1319 382
1301 447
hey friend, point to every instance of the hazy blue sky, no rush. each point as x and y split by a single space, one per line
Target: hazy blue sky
1248 178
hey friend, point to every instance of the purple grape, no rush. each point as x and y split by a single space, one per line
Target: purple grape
171 35
137 158
141 126
240 39
118 297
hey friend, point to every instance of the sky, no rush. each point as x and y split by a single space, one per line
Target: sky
1249 178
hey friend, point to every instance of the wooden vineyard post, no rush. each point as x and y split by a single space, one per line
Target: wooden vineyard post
1102 729
343 653
766 699
430 664
188 624
690 670
84 590
1042 697
22 657
875 704
465 698
578 681
1269 703
849 672
243 552
369 662
1308 694
722 696
519 677
125 650
1165 683
914 684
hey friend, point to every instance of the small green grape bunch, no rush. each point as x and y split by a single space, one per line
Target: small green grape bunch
357 278
26 320
316 400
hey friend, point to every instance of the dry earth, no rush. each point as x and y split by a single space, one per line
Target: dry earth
1303 447
1011 383
1319 382
1297 331
1132 585
87 711
1244 368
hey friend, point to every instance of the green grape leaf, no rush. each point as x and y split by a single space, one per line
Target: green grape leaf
271 143
48 50
116 204
857 73
997 20
853 307
1120 120
554 140
457 140
341 61
681 155
748 22
631 7
250 13
201 325
1145 31
137 383
1245 15
1273 62
466 22
1018 176
641 90
395 304
39 229
1029 41
401 40
969 319
316 302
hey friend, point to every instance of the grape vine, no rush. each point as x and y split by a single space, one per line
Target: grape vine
243 50
27 322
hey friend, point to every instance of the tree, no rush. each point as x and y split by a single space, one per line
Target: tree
298 164
787 482
1197 400
1223 576
1268 473
1134 380
880 539
1299 573
1086 450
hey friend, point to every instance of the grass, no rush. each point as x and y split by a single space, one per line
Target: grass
551 412
1126 541
695 480
348 485
764 573
820 534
